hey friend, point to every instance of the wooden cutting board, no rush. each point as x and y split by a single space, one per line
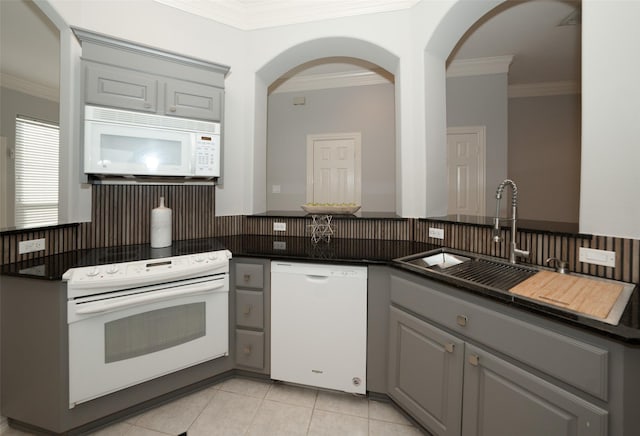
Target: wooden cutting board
588 296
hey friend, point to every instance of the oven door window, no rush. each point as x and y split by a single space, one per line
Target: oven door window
152 331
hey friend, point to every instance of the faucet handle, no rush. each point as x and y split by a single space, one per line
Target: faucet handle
561 266
521 253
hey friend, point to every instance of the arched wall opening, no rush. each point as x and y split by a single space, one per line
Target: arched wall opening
290 58
454 24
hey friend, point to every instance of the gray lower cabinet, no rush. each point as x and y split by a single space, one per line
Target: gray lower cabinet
458 365
425 372
501 399
251 290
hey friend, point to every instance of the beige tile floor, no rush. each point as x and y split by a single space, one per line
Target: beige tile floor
242 406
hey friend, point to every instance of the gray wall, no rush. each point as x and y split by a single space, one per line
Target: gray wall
366 109
544 156
483 101
13 103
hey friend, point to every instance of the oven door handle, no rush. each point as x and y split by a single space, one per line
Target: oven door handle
150 297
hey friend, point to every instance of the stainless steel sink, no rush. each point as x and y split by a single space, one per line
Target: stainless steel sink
497 275
481 270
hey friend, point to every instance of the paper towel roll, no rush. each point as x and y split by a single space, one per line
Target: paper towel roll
161 226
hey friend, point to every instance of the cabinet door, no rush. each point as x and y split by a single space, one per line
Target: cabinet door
193 100
425 372
121 88
501 399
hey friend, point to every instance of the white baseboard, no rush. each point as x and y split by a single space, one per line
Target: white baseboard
4 425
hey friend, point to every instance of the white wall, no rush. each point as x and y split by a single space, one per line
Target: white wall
413 45
482 101
368 109
544 156
610 186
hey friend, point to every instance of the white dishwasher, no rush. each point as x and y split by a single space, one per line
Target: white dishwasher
319 325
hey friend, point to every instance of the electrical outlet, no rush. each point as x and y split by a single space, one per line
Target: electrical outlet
597 257
31 246
279 245
436 233
279 227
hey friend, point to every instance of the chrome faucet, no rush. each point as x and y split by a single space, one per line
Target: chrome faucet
515 251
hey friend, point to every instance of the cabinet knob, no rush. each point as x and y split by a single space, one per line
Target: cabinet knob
461 320
449 347
247 278
247 309
474 359
172 108
247 350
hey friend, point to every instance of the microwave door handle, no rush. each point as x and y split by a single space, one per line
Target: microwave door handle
150 297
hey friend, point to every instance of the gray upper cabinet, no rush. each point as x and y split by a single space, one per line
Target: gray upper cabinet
125 75
119 87
193 100
501 399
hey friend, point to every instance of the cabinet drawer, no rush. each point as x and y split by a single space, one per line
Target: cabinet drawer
121 88
250 348
249 309
249 275
575 362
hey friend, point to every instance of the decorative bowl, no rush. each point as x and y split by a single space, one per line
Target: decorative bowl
331 209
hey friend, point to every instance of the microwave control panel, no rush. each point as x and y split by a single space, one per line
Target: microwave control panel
207 155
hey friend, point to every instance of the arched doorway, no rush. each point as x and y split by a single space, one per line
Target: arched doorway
344 107
310 51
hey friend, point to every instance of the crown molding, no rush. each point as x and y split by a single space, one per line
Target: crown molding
479 66
28 87
544 89
250 15
342 79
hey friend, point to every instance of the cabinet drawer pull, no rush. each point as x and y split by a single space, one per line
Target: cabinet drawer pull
461 320
147 105
449 347
247 350
247 309
474 360
172 108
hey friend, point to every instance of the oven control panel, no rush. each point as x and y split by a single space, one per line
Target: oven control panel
85 280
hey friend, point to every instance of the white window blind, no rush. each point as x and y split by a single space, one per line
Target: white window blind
36 166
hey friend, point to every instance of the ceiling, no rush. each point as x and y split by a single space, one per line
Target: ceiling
256 14
542 50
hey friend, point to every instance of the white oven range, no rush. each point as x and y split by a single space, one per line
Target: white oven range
135 321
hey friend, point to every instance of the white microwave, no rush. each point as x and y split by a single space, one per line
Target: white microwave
126 143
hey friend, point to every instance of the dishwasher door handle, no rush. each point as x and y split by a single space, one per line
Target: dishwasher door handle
316 277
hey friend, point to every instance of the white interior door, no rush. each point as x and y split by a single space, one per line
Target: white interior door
466 170
334 168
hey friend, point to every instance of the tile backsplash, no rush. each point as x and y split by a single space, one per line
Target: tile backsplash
121 216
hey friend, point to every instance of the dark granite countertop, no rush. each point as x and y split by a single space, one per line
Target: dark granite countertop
352 251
